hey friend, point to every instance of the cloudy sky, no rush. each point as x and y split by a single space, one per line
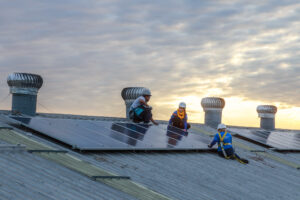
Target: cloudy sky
247 52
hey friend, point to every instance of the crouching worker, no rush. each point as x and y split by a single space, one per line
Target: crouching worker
140 111
225 148
179 118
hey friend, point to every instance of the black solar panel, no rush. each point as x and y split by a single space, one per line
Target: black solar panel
280 140
107 135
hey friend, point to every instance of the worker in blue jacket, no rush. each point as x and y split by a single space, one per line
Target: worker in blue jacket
225 148
179 118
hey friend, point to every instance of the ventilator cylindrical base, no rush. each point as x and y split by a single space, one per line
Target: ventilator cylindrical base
213 118
24 104
267 123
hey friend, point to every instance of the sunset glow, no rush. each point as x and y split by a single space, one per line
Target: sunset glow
88 51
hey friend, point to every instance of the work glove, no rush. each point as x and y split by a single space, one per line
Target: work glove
209 146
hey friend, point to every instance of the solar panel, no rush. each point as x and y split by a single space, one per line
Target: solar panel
107 135
2 125
280 140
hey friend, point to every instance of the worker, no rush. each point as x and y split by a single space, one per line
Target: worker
225 148
140 111
179 118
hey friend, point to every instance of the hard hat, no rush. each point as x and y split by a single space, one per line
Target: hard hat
182 105
146 92
221 126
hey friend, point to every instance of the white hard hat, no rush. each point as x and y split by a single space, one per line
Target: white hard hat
182 105
221 126
146 92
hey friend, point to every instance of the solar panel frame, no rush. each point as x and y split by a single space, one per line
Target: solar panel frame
277 140
87 135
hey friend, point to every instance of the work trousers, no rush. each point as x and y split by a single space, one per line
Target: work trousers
230 153
144 116
177 122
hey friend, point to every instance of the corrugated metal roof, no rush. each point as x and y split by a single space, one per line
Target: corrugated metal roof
197 175
206 176
81 166
3 125
26 176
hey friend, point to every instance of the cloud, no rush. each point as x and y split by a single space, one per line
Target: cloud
87 51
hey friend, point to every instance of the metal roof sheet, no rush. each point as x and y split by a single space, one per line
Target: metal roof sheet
26 176
74 163
206 176
196 175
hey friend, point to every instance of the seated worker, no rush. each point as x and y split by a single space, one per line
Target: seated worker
225 148
140 111
179 118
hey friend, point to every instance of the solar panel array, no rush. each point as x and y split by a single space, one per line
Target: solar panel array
280 140
107 135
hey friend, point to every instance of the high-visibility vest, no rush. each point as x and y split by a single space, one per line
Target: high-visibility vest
222 144
222 139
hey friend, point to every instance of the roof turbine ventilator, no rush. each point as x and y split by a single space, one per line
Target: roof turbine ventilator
24 88
267 116
129 94
213 107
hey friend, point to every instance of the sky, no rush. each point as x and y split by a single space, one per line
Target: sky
87 51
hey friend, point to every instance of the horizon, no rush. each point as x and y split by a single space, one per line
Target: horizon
195 115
